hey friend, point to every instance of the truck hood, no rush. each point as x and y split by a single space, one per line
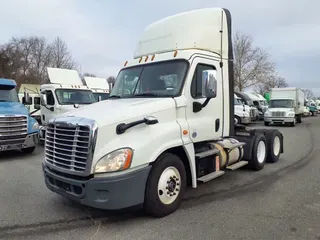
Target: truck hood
119 110
13 108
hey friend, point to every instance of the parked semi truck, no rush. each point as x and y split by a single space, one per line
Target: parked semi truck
64 93
159 137
286 106
18 130
99 87
241 112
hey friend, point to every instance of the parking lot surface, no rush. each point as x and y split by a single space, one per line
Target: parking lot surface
238 205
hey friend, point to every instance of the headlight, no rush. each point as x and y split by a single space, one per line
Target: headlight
114 161
267 113
35 126
246 114
291 114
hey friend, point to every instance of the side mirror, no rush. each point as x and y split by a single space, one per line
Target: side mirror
43 99
36 106
209 84
36 100
26 100
99 98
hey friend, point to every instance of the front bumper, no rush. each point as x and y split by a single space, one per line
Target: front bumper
245 120
30 141
109 193
279 120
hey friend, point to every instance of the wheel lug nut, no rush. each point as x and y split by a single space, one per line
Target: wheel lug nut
168 192
178 184
167 187
174 193
171 195
177 189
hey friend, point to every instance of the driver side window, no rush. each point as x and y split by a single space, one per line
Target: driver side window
196 84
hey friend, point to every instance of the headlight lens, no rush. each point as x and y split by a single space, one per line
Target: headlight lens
114 161
35 126
246 115
267 113
291 114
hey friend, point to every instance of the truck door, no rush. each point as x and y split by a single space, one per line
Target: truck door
46 113
207 123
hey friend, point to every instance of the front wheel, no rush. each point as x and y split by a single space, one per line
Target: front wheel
28 150
166 186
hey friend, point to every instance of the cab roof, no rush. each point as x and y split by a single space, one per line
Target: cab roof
8 82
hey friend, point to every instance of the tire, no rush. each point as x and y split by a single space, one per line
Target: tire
237 120
266 123
273 145
28 150
166 166
299 118
258 161
292 124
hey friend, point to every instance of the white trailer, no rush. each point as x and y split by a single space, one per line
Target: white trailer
64 93
286 106
169 123
99 87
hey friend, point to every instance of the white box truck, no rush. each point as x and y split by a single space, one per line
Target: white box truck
168 123
286 106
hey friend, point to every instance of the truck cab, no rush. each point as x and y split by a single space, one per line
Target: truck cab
65 93
312 106
169 123
18 130
99 87
254 112
241 112
286 106
259 103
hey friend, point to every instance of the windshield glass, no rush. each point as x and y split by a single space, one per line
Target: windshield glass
154 80
8 94
283 103
237 101
103 96
74 96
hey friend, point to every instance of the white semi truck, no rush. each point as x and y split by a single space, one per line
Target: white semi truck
286 106
99 87
158 138
64 93
241 112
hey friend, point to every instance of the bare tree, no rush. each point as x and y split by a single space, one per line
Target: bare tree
60 55
89 75
271 82
251 64
308 93
111 80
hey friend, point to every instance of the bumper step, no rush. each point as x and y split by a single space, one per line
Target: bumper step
210 176
237 165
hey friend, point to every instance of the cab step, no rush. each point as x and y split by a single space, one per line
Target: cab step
210 176
237 165
207 153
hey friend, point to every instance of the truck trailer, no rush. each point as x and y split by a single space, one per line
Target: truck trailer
169 123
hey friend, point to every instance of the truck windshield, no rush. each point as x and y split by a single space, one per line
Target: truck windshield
163 79
281 103
74 96
8 94
103 96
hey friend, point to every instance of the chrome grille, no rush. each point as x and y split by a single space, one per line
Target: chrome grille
13 129
67 147
278 114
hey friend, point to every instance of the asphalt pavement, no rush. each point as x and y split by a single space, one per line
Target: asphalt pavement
280 202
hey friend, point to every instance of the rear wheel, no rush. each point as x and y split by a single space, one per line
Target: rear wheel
259 152
299 118
166 186
273 145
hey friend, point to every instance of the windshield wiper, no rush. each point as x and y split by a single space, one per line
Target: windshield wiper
114 96
151 95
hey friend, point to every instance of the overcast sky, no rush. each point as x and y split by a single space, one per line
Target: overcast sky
102 35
